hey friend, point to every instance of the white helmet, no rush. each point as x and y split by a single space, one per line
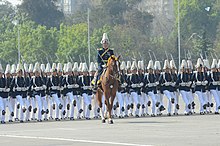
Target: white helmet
1 69
75 67
68 67
105 38
123 65
59 67
48 68
80 66
214 64
172 64
199 63
64 67
183 64
157 65
84 67
19 68
150 65
140 65
42 67
128 65
134 65
31 67
166 64
189 64
36 67
13 68
53 67
206 63
92 67
7 69
26 67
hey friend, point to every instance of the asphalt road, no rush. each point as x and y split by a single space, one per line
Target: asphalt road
170 131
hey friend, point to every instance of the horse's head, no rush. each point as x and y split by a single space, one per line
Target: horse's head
113 64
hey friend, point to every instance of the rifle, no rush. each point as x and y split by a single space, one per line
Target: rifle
150 55
166 55
155 56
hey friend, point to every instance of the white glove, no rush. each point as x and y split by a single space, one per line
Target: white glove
44 87
141 84
173 84
157 83
104 66
125 84
133 85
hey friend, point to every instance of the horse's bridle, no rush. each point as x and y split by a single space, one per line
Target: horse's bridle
116 73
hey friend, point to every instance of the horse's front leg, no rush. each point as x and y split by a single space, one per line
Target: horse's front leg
110 109
99 96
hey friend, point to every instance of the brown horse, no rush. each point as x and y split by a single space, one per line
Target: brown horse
109 87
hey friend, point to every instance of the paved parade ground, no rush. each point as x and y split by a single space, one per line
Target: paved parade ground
170 131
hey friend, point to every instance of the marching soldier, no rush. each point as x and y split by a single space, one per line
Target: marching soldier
213 79
4 99
142 96
68 83
92 72
184 82
128 101
150 86
27 94
208 95
190 71
10 102
85 82
200 82
53 84
121 94
76 90
134 83
38 87
17 85
60 95
13 99
49 97
165 81
43 94
173 86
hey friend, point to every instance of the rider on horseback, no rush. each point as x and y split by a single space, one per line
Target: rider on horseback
103 54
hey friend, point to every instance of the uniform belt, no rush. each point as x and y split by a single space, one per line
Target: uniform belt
55 87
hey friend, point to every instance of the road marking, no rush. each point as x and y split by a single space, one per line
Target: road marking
33 130
70 140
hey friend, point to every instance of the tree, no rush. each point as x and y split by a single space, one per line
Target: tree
194 18
43 12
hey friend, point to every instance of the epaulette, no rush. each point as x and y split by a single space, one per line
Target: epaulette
111 48
99 49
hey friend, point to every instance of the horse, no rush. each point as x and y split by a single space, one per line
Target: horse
109 87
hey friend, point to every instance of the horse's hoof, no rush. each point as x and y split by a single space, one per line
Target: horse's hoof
111 122
103 120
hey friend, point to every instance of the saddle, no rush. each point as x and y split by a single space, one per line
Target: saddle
99 82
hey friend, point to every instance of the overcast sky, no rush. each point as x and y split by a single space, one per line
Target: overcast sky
14 2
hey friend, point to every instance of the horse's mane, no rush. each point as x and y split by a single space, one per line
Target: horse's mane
112 57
